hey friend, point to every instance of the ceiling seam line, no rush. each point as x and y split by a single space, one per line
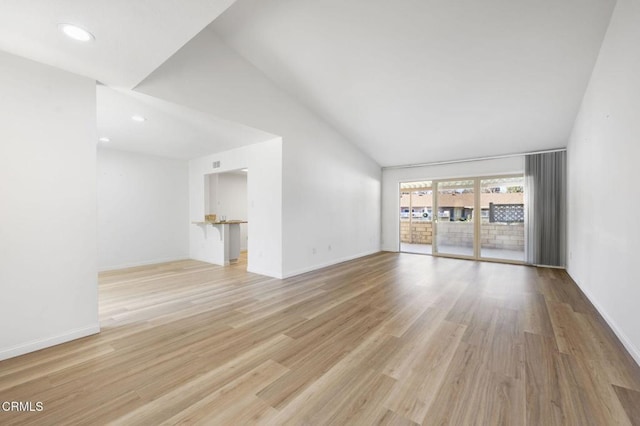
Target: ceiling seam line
467 160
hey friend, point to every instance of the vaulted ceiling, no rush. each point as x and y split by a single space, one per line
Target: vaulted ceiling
414 81
408 81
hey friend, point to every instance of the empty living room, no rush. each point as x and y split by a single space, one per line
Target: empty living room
327 212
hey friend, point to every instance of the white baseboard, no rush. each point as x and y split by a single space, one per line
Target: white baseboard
36 345
330 263
629 346
265 272
141 263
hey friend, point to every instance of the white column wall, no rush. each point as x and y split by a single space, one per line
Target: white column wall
48 280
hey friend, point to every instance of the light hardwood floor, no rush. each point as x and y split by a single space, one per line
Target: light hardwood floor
386 339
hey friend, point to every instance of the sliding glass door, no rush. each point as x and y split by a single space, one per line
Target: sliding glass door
473 218
455 233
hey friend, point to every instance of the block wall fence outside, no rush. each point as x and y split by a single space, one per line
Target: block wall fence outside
420 232
492 235
459 234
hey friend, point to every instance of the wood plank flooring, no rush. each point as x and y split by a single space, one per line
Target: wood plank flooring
387 339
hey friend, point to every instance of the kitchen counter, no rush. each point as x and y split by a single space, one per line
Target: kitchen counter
226 248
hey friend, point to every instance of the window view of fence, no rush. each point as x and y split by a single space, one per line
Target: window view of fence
416 216
502 228
455 229
506 213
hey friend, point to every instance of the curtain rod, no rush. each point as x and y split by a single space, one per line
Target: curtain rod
494 157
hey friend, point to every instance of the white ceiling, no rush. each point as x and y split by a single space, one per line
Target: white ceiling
170 130
413 81
132 38
408 81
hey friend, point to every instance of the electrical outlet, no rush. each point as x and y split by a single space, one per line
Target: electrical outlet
313 250
329 247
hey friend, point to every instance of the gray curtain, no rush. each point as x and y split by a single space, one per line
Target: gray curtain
545 208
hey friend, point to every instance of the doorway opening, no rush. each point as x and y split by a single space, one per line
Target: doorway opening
226 206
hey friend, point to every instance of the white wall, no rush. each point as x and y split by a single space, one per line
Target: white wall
228 198
603 205
48 137
264 203
330 189
143 209
391 179
332 196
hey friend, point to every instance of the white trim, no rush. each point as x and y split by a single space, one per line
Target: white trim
549 266
330 263
626 342
142 263
266 273
36 345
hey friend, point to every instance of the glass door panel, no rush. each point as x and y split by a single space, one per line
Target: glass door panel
416 206
455 227
502 218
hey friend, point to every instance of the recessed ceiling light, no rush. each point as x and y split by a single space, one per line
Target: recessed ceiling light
104 139
75 32
244 170
138 118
